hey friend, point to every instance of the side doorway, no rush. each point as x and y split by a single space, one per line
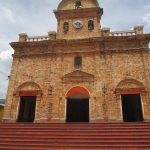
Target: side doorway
27 109
132 107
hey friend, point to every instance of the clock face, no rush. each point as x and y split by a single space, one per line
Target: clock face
78 24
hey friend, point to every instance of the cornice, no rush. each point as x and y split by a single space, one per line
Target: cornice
85 46
80 41
75 12
124 51
100 52
55 54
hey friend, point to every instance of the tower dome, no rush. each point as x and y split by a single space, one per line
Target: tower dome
71 4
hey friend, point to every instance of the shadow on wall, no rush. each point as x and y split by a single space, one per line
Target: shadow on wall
1 109
1 112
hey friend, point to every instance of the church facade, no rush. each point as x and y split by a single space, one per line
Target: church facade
81 73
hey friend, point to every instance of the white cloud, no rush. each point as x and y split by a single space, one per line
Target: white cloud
3 88
146 19
6 55
7 14
5 65
147 6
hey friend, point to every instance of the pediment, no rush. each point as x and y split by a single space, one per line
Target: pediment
29 86
78 76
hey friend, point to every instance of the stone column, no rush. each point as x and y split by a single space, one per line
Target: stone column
105 31
139 29
145 102
15 107
62 108
51 35
38 107
119 115
23 37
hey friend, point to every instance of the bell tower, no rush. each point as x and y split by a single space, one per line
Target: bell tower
78 19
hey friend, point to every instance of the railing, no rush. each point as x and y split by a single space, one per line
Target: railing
37 38
122 33
115 33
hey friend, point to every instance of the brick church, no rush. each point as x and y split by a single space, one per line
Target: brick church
81 73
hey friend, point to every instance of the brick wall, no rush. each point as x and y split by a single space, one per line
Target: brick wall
110 65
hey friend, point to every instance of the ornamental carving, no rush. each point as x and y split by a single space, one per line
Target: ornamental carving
27 86
130 85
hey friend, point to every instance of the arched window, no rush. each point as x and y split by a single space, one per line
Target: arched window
66 26
149 45
78 62
90 24
78 4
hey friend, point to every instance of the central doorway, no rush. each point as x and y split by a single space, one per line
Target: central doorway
77 105
131 107
27 109
77 110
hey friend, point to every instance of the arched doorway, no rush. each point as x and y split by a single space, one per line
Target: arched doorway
77 107
28 93
131 91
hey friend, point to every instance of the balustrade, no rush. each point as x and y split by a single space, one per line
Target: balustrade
122 33
37 38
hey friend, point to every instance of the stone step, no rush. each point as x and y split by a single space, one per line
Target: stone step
84 147
78 123
73 143
76 140
74 124
47 137
99 132
127 136
72 128
74 136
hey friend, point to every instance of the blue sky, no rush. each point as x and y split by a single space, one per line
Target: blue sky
36 17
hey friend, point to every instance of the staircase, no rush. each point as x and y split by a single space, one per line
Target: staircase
45 136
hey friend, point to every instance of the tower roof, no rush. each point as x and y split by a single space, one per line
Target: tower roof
70 4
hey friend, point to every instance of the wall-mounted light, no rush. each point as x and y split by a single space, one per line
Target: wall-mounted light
104 89
50 90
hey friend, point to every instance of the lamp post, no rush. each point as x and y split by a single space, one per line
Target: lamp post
104 104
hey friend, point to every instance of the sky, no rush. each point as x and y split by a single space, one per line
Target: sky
35 17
